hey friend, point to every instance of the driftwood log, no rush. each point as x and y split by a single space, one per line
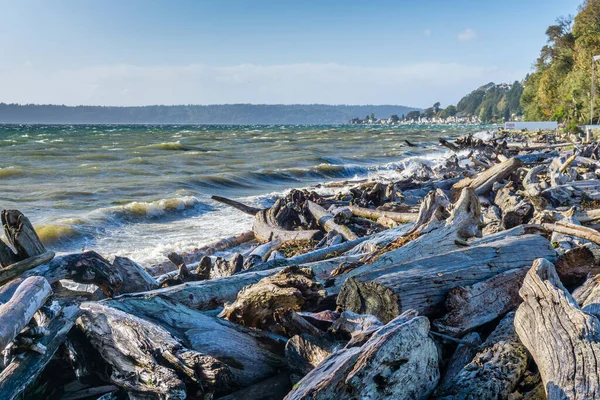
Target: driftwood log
399 361
483 182
269 225
563 340
325 219
423 284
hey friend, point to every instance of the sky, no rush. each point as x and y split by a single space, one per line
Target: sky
141 52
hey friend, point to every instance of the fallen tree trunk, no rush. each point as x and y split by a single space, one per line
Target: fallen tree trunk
13 270
29 296
494 372
260 254
88 268
236 204
563 340
249 355
482 183
325 219
423 284
23 371
472 306
399 361
375 214
134 277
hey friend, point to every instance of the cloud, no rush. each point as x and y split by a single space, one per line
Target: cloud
427 32
419 84
467 34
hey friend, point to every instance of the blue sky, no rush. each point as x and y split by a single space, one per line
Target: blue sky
339 52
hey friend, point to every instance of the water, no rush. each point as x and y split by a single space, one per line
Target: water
141 191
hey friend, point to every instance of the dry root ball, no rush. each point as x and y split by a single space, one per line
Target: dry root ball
292 288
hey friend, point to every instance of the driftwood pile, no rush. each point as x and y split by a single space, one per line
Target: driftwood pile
478 278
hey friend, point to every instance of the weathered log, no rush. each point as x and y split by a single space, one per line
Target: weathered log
494 372
222 267
569 229
575 264
441 236
88 268
260 254
134 277
249 355
515 209
196 255
483 182
531 183
325 219
462 356
13 270
24 370
29 296
375 214
128 343
236 204
399 361
292 288
268 225
423 284
351 323
304 352
472 306
293 324
449 145
563 340
21 235
588 295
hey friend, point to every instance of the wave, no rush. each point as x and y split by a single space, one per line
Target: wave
10 172
175 146
100 220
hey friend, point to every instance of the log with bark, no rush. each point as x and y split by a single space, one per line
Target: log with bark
563 340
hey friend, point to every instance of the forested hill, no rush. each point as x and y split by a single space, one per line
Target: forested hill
492 102
193 114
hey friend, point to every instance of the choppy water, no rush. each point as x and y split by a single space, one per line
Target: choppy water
141 191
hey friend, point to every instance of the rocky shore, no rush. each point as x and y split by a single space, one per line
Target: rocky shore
473 279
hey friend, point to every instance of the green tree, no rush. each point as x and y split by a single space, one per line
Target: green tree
395 118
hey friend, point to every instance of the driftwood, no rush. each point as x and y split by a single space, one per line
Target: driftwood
472 306
13 270
325 219
293 324
134 277
249 355
21 235
260 254
375 214
304 352
423 284
274 388
563 339
24 370
515 210
88 268
588 295
494 372
29 296
268 225
399 361
483 182
292 288
236 204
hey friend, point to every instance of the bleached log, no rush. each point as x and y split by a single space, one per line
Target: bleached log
249 355
569 229
399 361
563 340
588 295
515 209
261 253
494 372
88 267
472 306
23 371
237 205
437 236
423 284
29 296
196 255
482 183
531 182
291 288
375 214
325 219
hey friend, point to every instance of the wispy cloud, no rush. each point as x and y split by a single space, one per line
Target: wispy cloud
467 34
418 84
427 32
